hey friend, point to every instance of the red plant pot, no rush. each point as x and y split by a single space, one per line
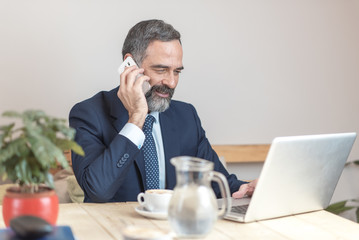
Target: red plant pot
43 204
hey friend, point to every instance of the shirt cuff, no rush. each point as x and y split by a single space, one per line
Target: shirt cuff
134 134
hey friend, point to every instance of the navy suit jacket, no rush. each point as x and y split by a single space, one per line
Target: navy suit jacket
113 167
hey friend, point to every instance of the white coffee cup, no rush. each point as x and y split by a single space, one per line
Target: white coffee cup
155 200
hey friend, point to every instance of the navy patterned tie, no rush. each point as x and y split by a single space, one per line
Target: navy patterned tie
150 155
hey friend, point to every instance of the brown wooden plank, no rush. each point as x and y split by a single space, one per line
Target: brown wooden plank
242 153
231 153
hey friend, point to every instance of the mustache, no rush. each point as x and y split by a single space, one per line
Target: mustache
161 89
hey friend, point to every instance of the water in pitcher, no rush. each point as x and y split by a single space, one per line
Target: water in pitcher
194 211
193 208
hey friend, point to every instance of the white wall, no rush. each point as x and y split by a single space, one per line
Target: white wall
253 69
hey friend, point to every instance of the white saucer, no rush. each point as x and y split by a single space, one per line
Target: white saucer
144 233
156 215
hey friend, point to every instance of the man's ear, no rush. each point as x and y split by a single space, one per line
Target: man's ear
127 55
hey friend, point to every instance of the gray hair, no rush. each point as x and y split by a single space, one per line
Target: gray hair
145 32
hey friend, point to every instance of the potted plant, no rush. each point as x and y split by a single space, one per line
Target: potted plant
346 205
29 147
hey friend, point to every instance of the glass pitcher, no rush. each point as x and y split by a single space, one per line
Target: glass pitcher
193 208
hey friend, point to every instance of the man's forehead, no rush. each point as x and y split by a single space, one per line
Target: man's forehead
164 53
159 42
160 47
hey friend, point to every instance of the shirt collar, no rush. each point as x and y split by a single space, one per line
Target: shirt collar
155 115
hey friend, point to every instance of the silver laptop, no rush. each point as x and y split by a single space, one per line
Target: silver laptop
299 175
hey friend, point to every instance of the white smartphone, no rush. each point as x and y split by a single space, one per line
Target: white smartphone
128 62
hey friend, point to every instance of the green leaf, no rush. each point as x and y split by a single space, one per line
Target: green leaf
67 131
7 128
43 149
47 152
49 180
12 114
4 176
5 132
65 144
21 172
17 147
77 149
338 207
34 115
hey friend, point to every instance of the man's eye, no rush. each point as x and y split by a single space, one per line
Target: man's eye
177 72
161 70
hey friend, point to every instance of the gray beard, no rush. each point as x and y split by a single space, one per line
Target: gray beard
156 103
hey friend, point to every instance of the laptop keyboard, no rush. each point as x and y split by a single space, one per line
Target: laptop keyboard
242 209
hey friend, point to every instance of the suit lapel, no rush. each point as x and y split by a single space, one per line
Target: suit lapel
118 112
170 134
119 115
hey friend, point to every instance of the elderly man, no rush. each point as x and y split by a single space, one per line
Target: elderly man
111 125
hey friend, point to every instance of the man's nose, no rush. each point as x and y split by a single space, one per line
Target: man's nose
169 80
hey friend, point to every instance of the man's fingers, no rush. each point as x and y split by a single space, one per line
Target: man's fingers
123 75
141 80
237 195
246 189
241 192
132 76
128 77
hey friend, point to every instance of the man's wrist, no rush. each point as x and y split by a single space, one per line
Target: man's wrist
133 133
137 119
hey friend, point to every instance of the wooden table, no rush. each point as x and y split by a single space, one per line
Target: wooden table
104 221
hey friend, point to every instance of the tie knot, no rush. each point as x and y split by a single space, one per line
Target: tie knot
149 122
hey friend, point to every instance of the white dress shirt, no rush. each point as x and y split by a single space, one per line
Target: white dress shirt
136 135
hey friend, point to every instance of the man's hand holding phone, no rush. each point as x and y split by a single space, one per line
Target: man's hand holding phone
131 91
129 62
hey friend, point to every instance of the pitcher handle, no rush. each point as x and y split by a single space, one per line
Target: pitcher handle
225 193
